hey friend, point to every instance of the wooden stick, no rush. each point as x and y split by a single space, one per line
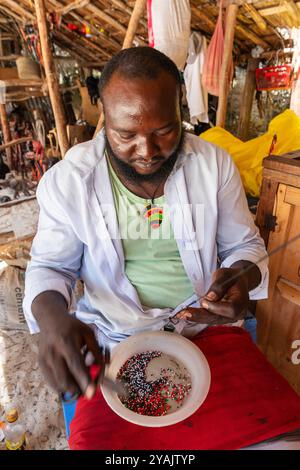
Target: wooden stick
11 143
231 15
256 16
138 10
6 133
53 86
17 82
8 58
246 33
73 6
137 13
123 7
15 7
247 99
203 17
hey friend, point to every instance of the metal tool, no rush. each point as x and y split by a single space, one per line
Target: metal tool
245 270
100 379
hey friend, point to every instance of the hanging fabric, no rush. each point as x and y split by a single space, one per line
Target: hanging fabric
196 95
295 97
213 59
169 28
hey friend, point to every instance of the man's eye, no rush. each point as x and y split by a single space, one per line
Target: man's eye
126 136
164 131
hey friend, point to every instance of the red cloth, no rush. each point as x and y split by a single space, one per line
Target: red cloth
248 402
211 74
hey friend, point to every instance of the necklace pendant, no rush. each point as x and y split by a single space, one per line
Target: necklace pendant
154 214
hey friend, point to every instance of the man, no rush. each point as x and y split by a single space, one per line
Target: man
105 211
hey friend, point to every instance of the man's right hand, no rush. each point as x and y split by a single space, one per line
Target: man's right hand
62 338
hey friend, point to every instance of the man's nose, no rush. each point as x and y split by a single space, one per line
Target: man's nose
147 148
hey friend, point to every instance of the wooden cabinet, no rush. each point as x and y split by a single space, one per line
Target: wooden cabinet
278 218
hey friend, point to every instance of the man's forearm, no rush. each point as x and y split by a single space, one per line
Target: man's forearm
252 274
48 305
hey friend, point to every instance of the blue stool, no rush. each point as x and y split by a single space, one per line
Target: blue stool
250 326
69 412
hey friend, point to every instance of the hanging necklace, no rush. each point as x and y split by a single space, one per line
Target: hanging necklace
154 213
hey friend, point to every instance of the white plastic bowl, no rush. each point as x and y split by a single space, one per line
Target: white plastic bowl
174 345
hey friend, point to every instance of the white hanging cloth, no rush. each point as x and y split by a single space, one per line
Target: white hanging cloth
295 96
169 28
196 94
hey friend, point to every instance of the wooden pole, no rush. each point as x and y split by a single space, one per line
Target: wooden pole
53 86
247 99
231 15
137 13
6 133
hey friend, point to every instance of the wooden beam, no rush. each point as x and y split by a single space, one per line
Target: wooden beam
231 15
11 143
15 7
278 10
293 11
203 17
109 20
17 82
107 40
73 6
246 33
5 20
247 99
106 18
79 49
256 16
8 58
139 8
89 43
51 76
6 133
123 7
7 37
12 14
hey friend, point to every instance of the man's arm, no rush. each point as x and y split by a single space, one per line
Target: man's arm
238 239
56 259
240 248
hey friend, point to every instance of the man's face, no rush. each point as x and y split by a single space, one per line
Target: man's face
142 122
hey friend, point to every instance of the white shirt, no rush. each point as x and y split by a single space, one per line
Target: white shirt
196 94
78 235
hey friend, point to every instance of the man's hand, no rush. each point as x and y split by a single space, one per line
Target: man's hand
62 338
228 296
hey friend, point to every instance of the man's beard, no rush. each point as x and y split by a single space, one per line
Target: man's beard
132 175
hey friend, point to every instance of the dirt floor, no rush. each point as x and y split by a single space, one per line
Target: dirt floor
22 382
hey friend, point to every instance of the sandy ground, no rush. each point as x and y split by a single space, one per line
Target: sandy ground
22 382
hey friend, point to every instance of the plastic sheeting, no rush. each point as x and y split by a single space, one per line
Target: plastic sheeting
248 156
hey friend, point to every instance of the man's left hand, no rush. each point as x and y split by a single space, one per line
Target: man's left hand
227 298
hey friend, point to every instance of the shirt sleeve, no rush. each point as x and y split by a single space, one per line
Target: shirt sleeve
238 237
56 251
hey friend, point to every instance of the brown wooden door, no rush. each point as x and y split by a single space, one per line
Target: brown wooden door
278 317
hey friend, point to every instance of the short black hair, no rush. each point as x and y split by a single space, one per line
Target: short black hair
138 62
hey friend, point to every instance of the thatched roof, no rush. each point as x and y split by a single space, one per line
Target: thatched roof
256 24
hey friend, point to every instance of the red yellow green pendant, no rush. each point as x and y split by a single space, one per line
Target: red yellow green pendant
154 215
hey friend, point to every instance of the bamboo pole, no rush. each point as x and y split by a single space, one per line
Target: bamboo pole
137 12
6 133
53 86
255 15
231 15
247 99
